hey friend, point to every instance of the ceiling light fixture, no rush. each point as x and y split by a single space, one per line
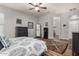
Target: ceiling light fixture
37 6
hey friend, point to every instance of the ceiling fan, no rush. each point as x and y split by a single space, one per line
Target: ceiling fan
37 7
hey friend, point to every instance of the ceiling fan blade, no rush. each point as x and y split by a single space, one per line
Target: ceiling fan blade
31 4
43 7
39 3
31 8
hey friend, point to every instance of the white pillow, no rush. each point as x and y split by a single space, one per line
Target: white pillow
5 41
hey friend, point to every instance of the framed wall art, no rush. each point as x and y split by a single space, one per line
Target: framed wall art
30 25
46 23
19 21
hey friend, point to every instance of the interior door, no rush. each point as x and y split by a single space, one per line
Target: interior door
45 33
56 27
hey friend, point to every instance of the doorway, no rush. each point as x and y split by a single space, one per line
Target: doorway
45 33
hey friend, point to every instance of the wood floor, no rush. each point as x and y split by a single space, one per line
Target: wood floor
52 51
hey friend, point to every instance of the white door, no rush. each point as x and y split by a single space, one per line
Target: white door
73 27
56 27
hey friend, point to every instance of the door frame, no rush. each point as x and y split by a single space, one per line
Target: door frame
43 32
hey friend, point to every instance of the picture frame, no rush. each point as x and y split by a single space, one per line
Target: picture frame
46 23
19 21
30 25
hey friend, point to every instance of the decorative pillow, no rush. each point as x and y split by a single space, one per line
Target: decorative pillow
1 45
5 41
2 41
37 47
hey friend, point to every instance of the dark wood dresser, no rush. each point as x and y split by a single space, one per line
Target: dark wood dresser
75 44
21 31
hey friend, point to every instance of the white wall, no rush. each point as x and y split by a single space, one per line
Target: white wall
65 19
73 27
1 24
62 31
10 21
48 18
10 17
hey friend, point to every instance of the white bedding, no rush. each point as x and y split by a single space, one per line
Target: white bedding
24 46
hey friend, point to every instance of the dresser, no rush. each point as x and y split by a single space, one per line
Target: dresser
75 44
21 31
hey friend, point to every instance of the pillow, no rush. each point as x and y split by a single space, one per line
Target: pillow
1 45
1 42
5 41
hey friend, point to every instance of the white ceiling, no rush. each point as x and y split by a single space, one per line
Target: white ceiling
51 7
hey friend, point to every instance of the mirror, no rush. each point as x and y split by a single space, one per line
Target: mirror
38 30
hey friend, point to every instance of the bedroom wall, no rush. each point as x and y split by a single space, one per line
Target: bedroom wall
10 17
1 23
66 18
61 30
48 17
10 21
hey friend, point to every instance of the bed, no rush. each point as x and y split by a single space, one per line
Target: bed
23 46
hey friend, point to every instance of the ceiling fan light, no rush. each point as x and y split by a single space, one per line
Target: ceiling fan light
37 8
